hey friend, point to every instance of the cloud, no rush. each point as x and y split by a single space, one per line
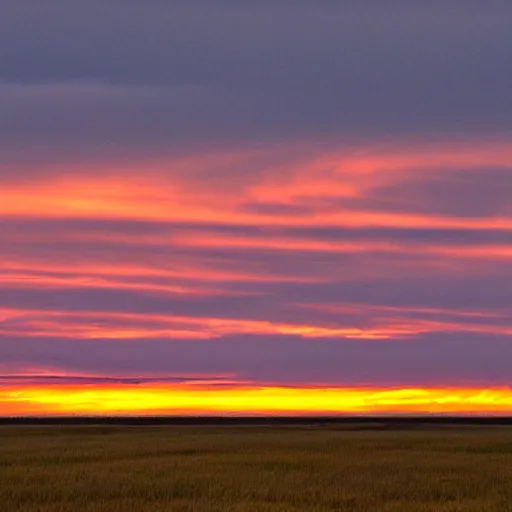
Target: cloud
167 76
288 193
439 359
459 192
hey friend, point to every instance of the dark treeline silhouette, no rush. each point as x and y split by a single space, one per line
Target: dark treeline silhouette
356 422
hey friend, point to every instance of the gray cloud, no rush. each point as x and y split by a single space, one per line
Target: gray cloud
447 359
453 192
89 78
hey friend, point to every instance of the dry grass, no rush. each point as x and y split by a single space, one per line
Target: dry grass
278 469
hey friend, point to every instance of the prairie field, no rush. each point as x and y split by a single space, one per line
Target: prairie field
254 468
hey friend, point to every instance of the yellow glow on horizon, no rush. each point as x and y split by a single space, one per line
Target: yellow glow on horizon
206 399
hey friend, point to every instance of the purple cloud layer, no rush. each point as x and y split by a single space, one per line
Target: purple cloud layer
277 192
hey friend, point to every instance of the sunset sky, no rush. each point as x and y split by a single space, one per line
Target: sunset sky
255 207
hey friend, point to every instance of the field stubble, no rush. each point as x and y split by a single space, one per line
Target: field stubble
257 469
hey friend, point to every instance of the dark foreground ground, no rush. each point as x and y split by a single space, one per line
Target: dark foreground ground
241 468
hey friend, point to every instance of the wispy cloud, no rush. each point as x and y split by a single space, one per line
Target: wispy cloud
285 205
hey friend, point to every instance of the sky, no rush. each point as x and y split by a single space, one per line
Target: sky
255 207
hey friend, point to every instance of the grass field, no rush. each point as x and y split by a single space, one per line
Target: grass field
239 469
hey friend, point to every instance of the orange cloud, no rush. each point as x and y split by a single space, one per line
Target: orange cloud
287 243
132 325
47 273
175 190
111 325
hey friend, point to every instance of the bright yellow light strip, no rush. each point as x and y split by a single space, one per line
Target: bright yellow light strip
203 399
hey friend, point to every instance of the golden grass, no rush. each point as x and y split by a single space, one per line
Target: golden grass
240 469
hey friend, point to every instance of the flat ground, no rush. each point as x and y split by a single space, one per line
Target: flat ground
239 469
